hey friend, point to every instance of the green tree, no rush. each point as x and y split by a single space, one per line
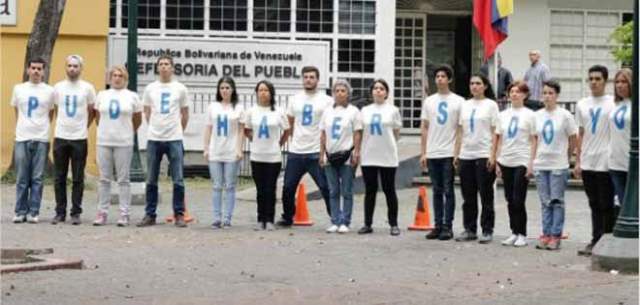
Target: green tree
622 36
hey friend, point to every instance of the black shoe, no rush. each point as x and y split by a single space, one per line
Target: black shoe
365 230
445 234
394 231
467 236
586 251
179 221
434 234
282 223
57 219
146 221
75 220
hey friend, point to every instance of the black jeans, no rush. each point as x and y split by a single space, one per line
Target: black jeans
265 176
444 200
600 193
65 152
387 178
476 178
515 192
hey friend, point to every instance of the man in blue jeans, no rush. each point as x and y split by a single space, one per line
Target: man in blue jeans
440 113
304 112
167 112
33 105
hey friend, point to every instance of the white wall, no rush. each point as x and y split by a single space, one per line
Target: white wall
385 41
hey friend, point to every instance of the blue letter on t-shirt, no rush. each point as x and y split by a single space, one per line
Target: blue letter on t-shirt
618 117
114 109
595 115
307 114
376 125
513 127
164 102
472 120
547 132
263 131
442 113
335 128
32 105
223 125
70 108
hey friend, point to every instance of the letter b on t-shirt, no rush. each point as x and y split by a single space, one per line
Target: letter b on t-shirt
307 114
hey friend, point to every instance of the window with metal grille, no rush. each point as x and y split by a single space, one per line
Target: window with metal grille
228 15
185 15
148 14
272 15
356 55
113 7
357 16
361 90
314 16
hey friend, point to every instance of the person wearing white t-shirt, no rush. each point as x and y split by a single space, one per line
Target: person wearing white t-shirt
267 127
74 100
33 105
592 154
223 137
166 109
515 130
340 136
118 115
381 123
620 133
304 112
476 127
556 133
440 115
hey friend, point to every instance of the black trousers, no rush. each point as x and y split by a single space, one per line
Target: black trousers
265 176
515 192
65 152
476 178
600 194
388 179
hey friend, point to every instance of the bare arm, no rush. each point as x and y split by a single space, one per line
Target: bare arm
291 121
491 165
577 171
323 147
284 137
240 142
424 130
357 142
137 120
147 113
248 133
184 111
91 113
457 146
51 114
396 134
207 141
533 140
496 146
97 118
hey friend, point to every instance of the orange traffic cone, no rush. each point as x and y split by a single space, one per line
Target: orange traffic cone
302 213
187 216
422 220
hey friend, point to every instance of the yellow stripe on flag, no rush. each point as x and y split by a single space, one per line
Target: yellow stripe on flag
505 7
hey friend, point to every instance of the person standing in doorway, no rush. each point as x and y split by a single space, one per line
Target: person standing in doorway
535 76
74 99
166 109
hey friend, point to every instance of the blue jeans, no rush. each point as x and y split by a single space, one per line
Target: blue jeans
444 200
175 153
30 160
297 166
551 185
340 180
619 180
224 176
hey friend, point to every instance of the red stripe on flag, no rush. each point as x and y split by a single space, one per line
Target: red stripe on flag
490 36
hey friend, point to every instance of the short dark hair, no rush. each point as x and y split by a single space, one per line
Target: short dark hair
553 84
37 60
232 84
522 87
444 68
307 69
602 69
272 92
488 89
165 56
383 83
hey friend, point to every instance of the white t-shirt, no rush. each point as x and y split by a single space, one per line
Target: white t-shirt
592 114
267 126
379 146
516 126
442 112
553 130
224 121
477 117
34 101
339 124
166 101
116 109
72 99
620 134
307 111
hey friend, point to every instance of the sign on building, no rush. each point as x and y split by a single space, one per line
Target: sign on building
8 12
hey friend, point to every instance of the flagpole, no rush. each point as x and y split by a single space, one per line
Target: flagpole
495 72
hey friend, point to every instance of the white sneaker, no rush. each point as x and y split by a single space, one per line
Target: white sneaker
521 241
509 241
343 229
19 219
332 229
32 219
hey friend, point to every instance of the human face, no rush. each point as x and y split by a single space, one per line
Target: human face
534 57
549 96
622 86
516 96
117 80
35 72
477 87
596 83
341 95
379 93
225 92
73 69
442 80
310 81
264 96
165 68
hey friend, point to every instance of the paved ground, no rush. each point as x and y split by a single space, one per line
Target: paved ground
196 265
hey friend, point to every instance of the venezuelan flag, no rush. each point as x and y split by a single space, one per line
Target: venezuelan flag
490 18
